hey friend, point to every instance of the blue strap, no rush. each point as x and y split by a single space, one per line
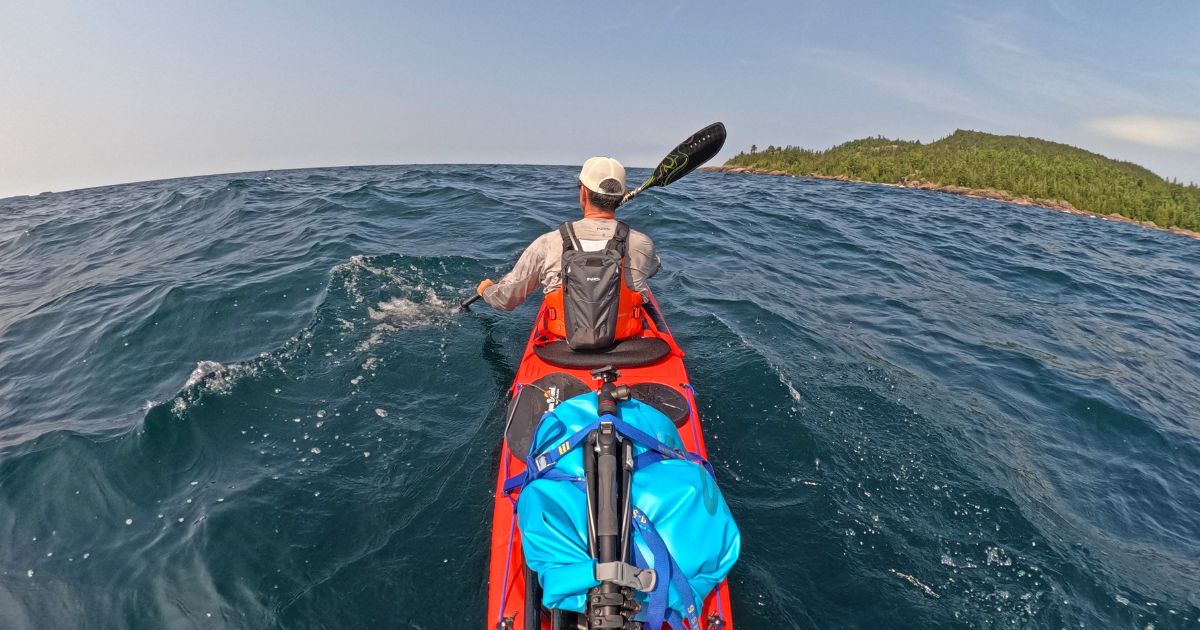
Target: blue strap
659 598
647 458
652 443
536 466
550 456
514 483
669 574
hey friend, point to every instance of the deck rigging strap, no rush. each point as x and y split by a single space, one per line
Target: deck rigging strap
537 466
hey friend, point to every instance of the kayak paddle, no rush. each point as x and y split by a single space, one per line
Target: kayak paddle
466 306
699 148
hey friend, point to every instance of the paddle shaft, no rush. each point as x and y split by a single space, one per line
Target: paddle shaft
635 192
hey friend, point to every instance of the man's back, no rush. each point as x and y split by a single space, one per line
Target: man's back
541 263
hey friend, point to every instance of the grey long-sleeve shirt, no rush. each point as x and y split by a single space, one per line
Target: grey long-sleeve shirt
541 263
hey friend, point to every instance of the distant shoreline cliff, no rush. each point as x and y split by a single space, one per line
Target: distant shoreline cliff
1024 171
978 193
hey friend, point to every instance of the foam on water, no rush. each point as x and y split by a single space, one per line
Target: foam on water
215 377
387 317
402 314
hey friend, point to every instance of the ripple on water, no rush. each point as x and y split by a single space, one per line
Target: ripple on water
925 410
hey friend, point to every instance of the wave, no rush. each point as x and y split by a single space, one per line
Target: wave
971 413
404 295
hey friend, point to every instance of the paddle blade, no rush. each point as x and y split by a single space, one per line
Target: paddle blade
689 155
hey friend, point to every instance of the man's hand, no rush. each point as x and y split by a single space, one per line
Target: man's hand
483 286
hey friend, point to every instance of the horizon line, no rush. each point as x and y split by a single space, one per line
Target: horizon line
283 170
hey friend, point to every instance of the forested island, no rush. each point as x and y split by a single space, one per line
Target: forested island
1007 168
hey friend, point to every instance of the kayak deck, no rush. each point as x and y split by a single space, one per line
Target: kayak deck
666 385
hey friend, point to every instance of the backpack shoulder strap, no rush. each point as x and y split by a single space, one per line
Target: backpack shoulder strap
570 242
620 239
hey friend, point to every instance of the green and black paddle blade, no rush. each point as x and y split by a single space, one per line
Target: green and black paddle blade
699 148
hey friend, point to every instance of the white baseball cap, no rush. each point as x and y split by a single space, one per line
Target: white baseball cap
600 169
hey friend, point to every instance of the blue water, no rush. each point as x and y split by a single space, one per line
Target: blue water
245 401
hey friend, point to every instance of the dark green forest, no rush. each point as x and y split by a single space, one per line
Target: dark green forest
1019 166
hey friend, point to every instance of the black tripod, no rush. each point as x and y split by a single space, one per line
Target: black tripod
608 469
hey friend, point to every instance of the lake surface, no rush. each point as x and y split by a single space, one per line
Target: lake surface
245 401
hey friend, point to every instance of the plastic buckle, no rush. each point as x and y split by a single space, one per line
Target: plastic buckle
627 575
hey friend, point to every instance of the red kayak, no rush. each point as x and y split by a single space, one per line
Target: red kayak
550 372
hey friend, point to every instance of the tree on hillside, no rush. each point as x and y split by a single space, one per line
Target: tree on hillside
1029 167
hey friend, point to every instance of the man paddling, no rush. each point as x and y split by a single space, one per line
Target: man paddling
598 308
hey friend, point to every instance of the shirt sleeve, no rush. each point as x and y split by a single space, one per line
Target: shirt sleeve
524 278
643 263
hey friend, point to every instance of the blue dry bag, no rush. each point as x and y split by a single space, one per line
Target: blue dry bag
679 512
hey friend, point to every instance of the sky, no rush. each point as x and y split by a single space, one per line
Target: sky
104 92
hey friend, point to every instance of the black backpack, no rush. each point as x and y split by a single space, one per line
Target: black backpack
591 285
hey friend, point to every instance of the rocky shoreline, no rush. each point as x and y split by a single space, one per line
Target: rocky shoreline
978 193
